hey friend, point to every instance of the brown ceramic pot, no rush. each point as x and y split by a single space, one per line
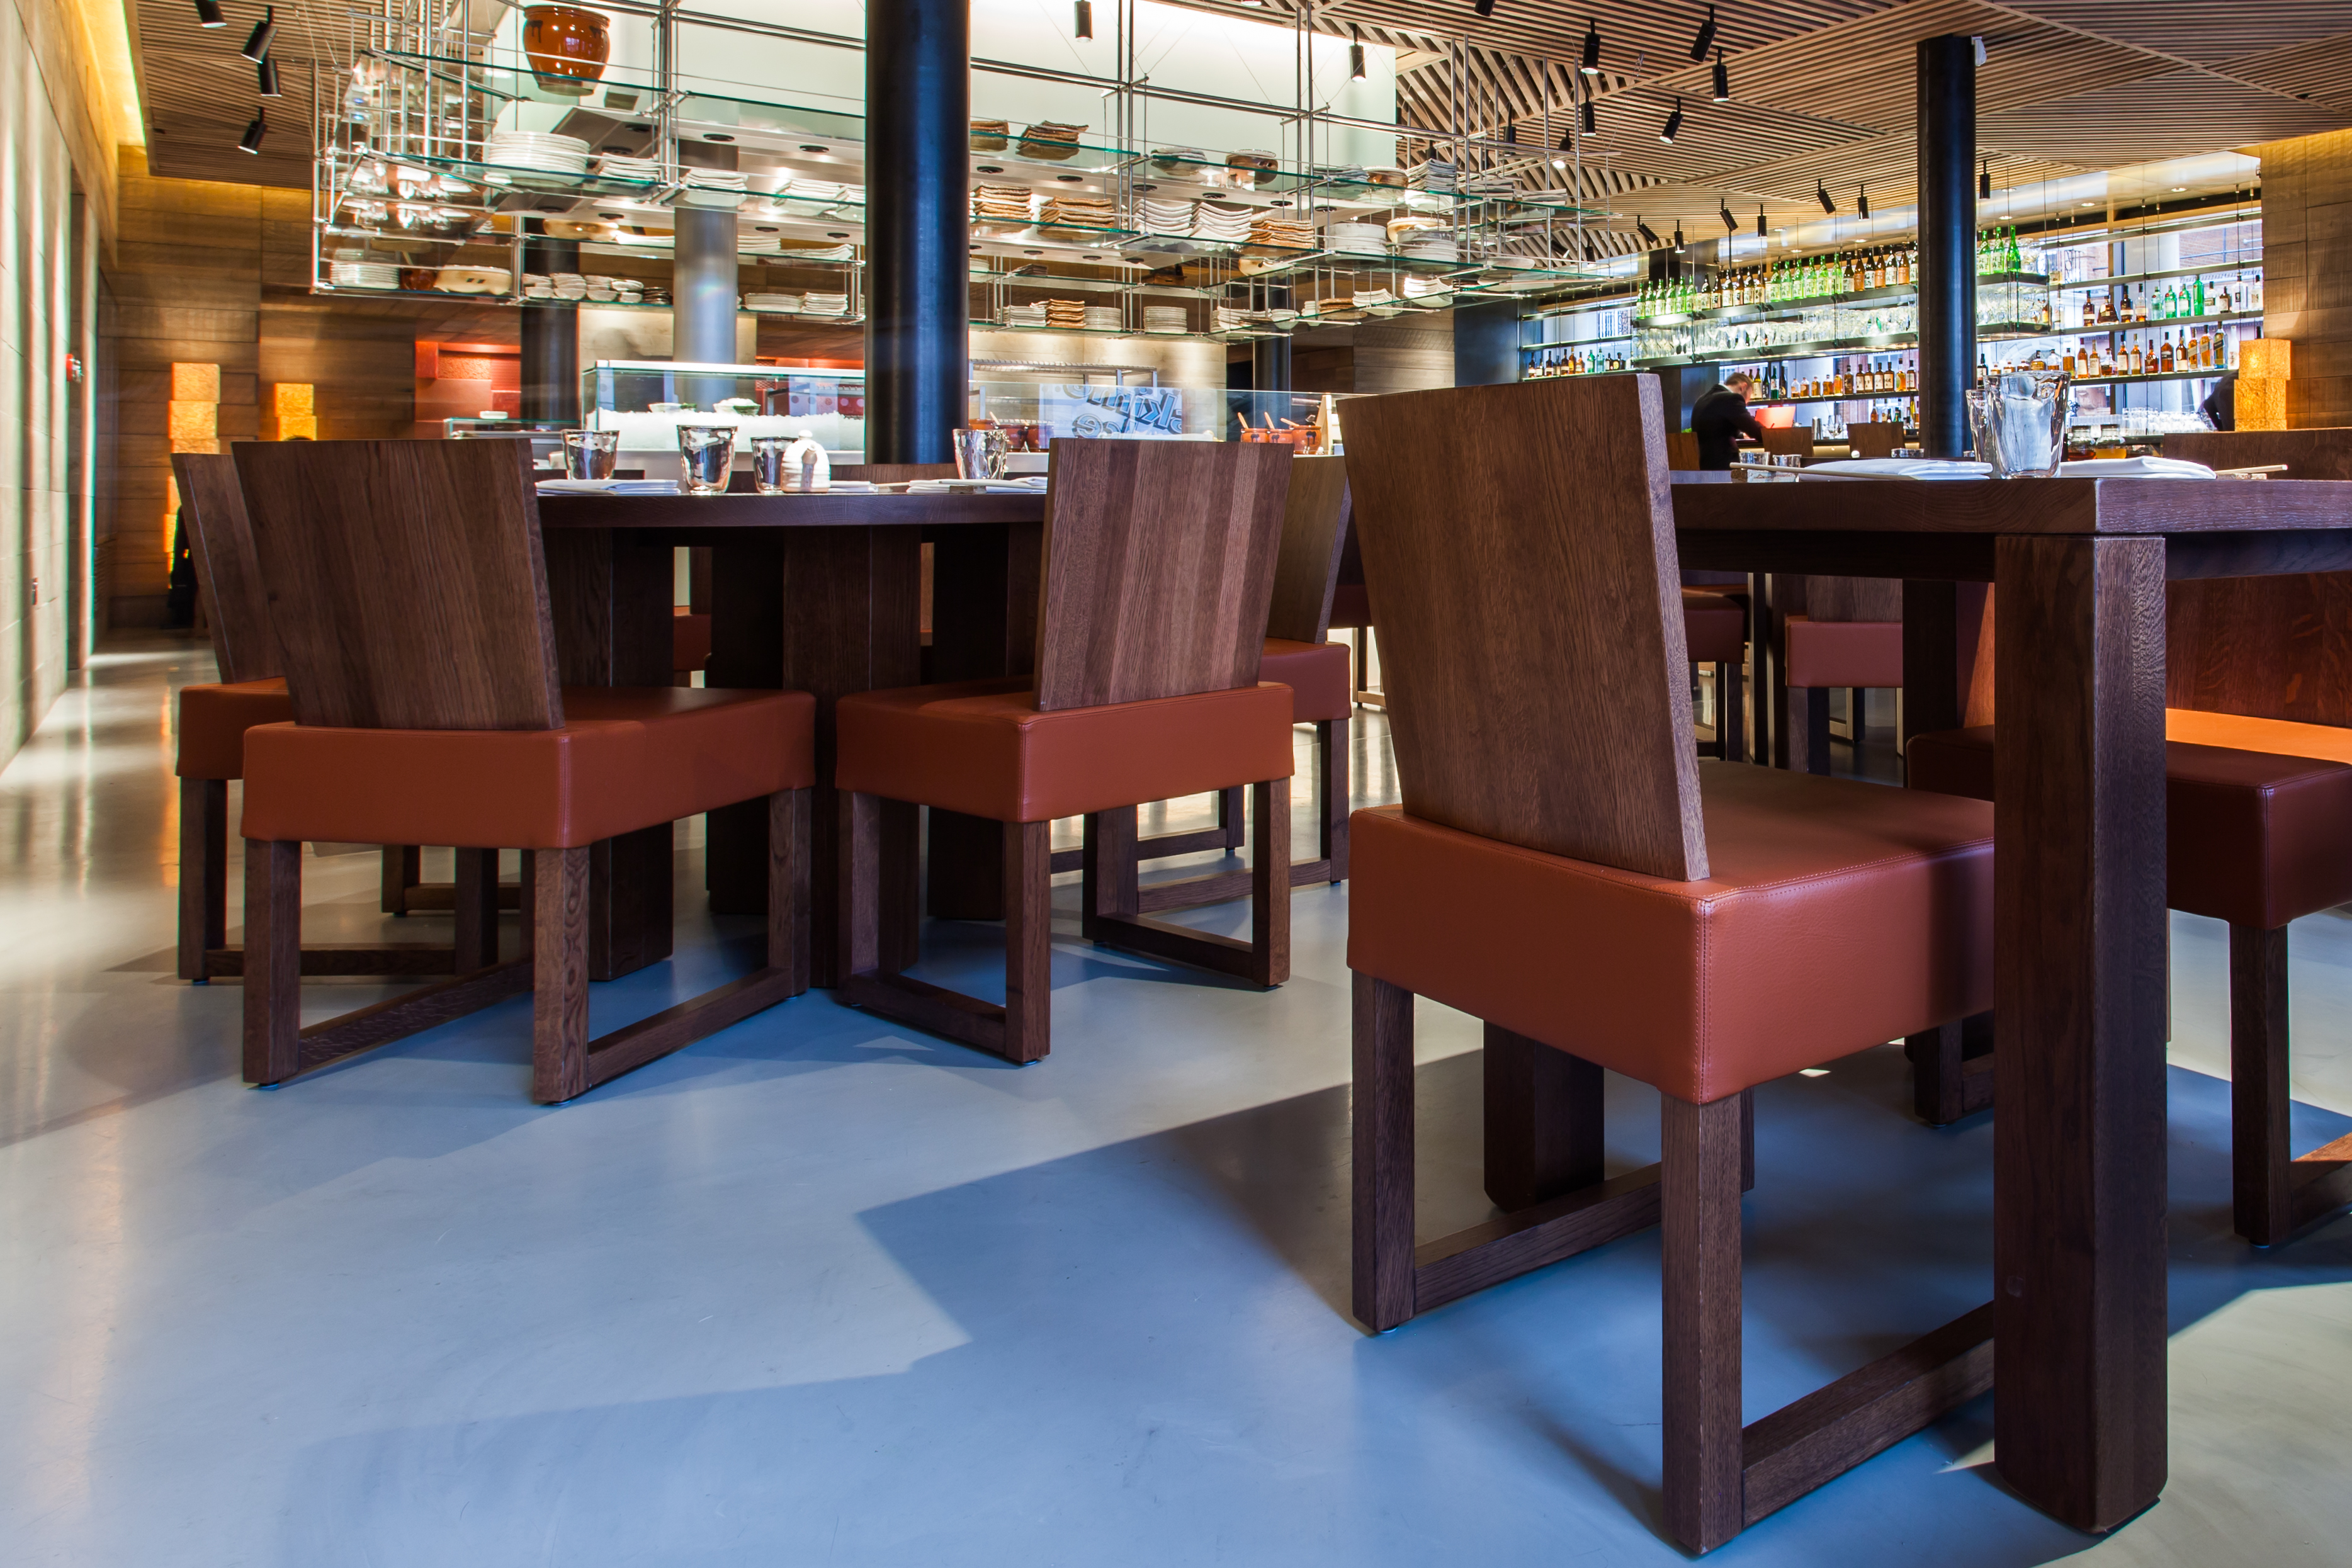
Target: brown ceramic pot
568 46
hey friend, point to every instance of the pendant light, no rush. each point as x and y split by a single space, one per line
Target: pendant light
265 78
1674 125
1822 192
1706 39
208 14
1984 181
1356 59
1085 28
255 130
1722 80
1485 8
1591 65
1681 247
1760 231
1861 200
256 43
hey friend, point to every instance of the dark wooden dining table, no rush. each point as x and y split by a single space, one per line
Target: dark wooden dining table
820 593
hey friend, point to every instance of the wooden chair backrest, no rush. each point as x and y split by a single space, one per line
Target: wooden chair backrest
1314 532
1158 567
406 582
1682 451
1878 438
1854 597
1782 440
893 473
2267 647
221 541
1520 545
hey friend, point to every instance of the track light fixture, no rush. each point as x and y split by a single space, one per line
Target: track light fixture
1586 114
1591 65
255 130
1085 28
1705 36
1674 125
1680 247
1722 80
1760 231
1649 234
1730 223
1861 200
1984 181
256 43
1510 134
208 14
1356 60
1485 8
265 78
1822 192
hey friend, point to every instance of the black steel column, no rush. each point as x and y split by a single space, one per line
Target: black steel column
1947 229
1270 364
917 129
550 338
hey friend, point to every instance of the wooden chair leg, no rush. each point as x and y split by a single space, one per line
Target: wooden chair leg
559 1020
1731 720
1809 729
1544 1131
1230 816
204 873
1332 739
1383 1138
273 960
404 868
1109 879
1029 938
475 903
788 884
1270 882
859 929
2262 1158
1951 1069
1855 726
1699 1211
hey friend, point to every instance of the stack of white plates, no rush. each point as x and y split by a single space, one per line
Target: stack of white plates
1489 185
569 286
363 274
613 166
1161 217
784 304
800 188
1362 239
1433 248
1024 315
814 304
1369 298
1229 320
1103 319
1228 226
538 285
1165 319
1417 288
759 244
541 150
826 253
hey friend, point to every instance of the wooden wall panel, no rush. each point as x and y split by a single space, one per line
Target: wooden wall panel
2307 270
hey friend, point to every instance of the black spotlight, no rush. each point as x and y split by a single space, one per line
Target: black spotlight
1485 8
1085 25
1356 61
1984 181
256 45
1760 231
1722 80
1823 190
1649 234
1680 247
1591 65
1510 134
1674 125
265 78
1705 36
208 14
255 130
1568 142
1861 200
1587 115
1730 223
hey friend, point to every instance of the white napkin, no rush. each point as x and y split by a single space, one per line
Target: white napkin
2135 468
608 487
1897 468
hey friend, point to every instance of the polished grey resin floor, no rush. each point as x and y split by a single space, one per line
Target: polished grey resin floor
820 1290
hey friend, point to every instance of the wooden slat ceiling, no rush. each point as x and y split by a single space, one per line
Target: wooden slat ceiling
198 93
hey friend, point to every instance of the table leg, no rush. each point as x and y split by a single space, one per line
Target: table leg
829 612
2079 1143
984 608
609 594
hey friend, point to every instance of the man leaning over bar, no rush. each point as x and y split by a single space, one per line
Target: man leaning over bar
1720 417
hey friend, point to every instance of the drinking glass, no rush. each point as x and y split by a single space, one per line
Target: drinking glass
710 452
589 454
769 474
2020 421
980 453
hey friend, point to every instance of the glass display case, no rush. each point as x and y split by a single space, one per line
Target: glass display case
647 400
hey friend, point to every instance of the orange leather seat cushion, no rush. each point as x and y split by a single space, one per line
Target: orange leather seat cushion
1836 915
214 720
981 747
2258 812
1318 675
1844 653
626 757
1715 627
690 640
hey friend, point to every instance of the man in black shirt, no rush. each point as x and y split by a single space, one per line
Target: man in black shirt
1720 417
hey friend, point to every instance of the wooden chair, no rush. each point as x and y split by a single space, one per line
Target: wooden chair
1159 565
213 720
1783 441
1351 611
1682 451
2258 834
1849 634
1874 438
1565 869
1319 676
1714 634
413 611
